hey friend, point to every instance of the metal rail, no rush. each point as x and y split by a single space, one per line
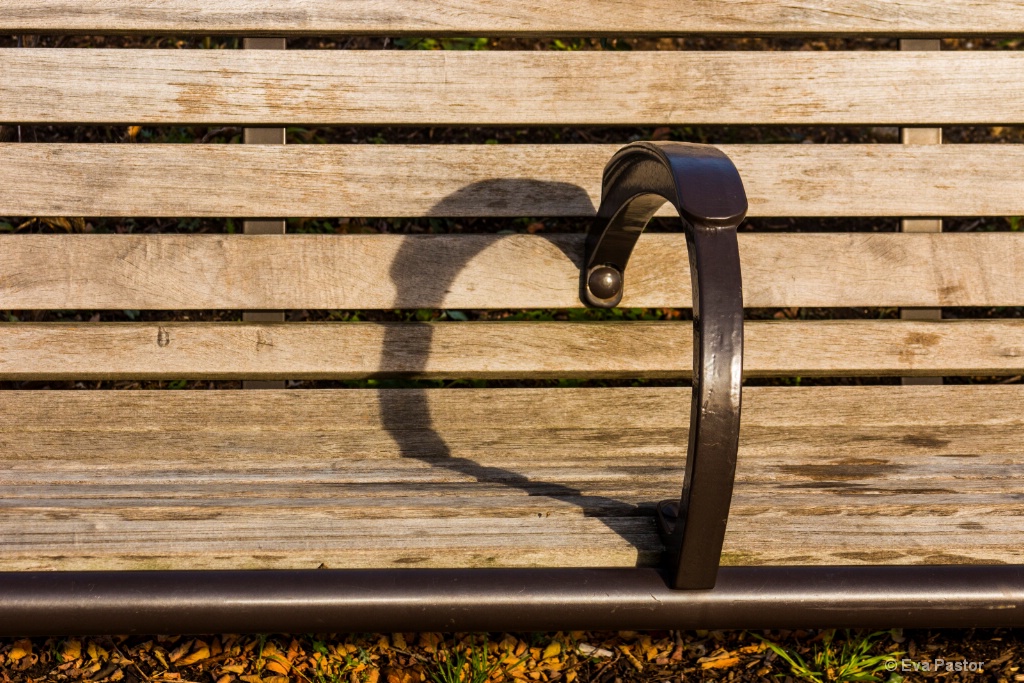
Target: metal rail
705 188
83 603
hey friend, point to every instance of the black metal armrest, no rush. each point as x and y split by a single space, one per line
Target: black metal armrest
705 188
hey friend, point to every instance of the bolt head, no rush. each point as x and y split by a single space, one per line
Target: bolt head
605 282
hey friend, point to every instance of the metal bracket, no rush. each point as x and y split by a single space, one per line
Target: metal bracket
704 186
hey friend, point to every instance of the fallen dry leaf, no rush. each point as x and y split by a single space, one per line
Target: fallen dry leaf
648 648
277 667
719 662
21 649
624 649
197 656
430 641
178 652
72 651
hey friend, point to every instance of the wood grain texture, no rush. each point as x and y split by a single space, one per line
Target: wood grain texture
501 17
389 87
495 350
214 479
485 180
179 271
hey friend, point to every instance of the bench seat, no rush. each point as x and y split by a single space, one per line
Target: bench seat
499 477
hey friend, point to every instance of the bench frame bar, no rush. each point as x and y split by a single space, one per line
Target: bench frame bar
447 600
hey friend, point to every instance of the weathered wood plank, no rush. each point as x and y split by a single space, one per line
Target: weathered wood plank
414 496
493 350
263 539
502 17
831 457
495 447
148 412
902 475
485 180
338 87
177 271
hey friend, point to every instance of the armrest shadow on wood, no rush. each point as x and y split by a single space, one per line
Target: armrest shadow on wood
706 190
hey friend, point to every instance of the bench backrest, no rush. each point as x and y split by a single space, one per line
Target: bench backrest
500 88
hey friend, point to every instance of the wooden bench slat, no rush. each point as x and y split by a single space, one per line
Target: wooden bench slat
182 271
460 410
494 350
494 444
486 180
827 475
503 17
389 87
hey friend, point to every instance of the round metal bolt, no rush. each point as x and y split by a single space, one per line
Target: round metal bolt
668 517
669 509
605 282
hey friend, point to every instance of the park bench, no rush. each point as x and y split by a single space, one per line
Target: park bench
892 499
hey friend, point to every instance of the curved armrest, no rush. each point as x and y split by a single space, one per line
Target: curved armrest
705 188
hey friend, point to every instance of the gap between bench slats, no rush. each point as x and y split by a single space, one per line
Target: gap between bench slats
188 272
390 87
493 350
215 479
502 17
486 180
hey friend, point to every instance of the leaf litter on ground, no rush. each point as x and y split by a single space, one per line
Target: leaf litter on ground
605 657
